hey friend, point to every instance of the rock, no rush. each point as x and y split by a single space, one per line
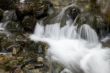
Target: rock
3 59
29 23
1 14
73 12
13 27
39 9
95 21
4 43
17 69
44 9
24 9
9 15
106 44
7 4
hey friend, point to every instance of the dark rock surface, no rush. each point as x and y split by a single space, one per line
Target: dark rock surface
73 12
29 23
9 15
1 14
7 4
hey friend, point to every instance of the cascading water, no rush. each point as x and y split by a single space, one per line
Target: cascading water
22 1
73 53
88 33
1 27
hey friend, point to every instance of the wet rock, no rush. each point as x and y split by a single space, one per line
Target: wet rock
3 59
106 43
95 21
4 43
44 10
39 9
23 9
7 4
1 14
9 15
13 27
29 23
106 16
34 66
73 12
17 70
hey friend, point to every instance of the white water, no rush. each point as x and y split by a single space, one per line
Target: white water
22 1
74 53
88 33
1 27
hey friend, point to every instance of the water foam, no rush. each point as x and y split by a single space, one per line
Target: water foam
76 55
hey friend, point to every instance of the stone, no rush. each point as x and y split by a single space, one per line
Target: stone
73 12
9 15
3 59
43 9
7 4
29 23
95 21
23 9
13 27
39 9
1 14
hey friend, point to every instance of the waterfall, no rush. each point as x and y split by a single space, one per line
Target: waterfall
1 27
88 33
67 49
54 31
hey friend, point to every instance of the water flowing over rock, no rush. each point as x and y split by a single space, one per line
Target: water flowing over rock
65 47
86 32
54 36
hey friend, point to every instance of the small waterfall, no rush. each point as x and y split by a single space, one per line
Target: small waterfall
86 32
61 15
55 31
68 31
1 27
39 30
67 49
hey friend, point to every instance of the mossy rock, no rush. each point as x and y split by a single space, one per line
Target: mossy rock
29 23
9 15
95 21
13 27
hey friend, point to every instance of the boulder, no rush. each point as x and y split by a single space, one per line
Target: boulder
7 4
13 27
39 9
9 15
73 12
29 23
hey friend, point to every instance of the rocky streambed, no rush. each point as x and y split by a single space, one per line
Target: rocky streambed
18 54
